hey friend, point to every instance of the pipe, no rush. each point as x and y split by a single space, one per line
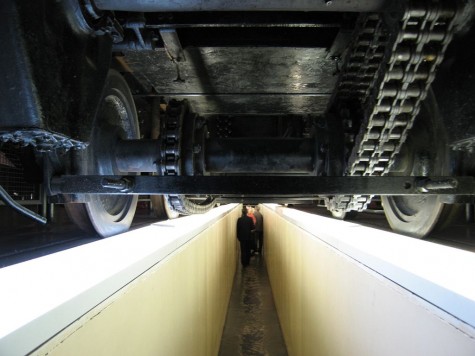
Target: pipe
8 200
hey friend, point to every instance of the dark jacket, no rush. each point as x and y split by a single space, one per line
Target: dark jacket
259 221
244 228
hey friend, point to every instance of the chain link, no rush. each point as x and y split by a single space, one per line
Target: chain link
172 124
172 131
389 71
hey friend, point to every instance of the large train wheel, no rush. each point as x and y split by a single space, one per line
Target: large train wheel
161 209
341 214
417 216
425 153
116 119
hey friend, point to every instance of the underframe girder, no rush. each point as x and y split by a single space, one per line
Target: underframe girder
263 186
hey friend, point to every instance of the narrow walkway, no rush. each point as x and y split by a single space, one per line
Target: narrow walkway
252 326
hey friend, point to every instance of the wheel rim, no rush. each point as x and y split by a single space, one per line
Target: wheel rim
339 214
342 214
418 215
414 216
116 119
161 208
172 214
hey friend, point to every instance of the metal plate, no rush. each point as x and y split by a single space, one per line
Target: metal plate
241 80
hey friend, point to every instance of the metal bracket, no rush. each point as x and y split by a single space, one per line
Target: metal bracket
140 40
173 49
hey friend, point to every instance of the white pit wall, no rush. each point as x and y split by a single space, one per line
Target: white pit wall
342 289
159 290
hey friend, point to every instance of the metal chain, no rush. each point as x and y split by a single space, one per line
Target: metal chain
399 70
172 128
172 123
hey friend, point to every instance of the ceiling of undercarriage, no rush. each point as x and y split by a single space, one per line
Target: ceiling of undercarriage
238 80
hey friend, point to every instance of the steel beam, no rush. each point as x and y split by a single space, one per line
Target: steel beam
236 187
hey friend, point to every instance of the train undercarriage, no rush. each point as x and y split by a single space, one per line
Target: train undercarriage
199 103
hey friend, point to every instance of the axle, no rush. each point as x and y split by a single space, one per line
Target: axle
223 156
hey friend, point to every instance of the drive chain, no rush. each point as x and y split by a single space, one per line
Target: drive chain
172 136
389 72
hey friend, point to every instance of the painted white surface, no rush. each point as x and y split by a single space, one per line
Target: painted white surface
441 275
342 289
40 297
334 278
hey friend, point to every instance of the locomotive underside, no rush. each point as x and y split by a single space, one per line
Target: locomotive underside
199 103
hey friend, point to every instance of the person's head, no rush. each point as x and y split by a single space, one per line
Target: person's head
244 211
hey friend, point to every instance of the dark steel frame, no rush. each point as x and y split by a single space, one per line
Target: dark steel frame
282 186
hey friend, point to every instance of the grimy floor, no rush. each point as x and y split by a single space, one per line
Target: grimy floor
252 326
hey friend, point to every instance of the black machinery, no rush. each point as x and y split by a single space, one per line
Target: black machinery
198 103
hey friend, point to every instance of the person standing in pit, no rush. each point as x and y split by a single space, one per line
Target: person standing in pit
250 213
259 229
244 228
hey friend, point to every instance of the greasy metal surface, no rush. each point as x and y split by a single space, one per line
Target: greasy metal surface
257 104
137 155
241 5
252 326
260 155
51 76
243 19
284 186
250 80
17 85
172 44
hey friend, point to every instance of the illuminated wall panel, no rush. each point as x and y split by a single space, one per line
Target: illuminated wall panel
178 307
331 303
